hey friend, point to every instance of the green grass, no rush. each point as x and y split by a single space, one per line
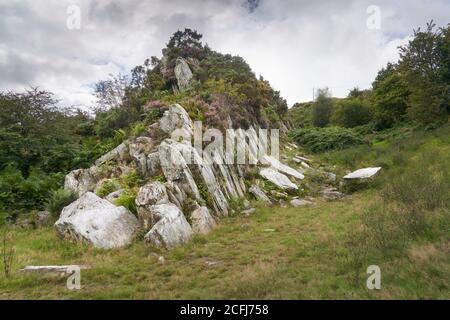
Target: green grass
303 258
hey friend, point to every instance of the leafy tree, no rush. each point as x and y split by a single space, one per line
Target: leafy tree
425 64
322 108
390 97
351 113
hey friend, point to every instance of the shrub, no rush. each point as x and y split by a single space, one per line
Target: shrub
323 139
127 200
107 187
59 199
322 107
351 113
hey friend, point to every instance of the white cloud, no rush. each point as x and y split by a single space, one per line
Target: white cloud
296 45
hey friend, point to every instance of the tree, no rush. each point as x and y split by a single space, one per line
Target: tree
322 108
110 93
390 97
350 113
425 64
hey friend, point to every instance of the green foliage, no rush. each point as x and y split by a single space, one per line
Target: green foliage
323 139
127 200
322 108
18 193
131 179
390 97
351 113
107 187
59 199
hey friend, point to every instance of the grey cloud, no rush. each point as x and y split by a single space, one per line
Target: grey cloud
295 44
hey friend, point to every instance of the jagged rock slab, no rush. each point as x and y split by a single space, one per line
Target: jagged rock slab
176 118
98 222
183 73
118 153
171 228
364 173
153 193
259 194
81 180
278 179
202 221
275 163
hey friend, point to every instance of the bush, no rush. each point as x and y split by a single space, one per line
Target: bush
323 139
322 108
59 199
107 187
127 200
351 113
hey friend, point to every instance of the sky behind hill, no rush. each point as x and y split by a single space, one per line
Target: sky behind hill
296 45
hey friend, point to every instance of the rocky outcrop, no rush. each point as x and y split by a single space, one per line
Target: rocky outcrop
170 227
181 185
183 73
97 221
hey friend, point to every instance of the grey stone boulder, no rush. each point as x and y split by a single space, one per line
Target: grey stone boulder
361 174
276 164
171 228
259 194
151 194
278 179
113 196
201 220
183 73
96 221
299 202
176 121
81 180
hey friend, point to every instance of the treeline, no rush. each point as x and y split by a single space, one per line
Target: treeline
415 90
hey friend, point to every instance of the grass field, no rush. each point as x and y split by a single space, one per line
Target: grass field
316 252
294 253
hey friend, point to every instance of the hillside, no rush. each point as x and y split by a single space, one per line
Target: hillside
146 195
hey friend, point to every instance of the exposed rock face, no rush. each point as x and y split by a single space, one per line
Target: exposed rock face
202 221
259 194
81 180
176 118
151 194
193 181
98 222
120 153
170 229
113 196
365 173
276 164
183 73
278 179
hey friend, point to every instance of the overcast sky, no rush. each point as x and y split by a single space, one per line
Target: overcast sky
296 45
